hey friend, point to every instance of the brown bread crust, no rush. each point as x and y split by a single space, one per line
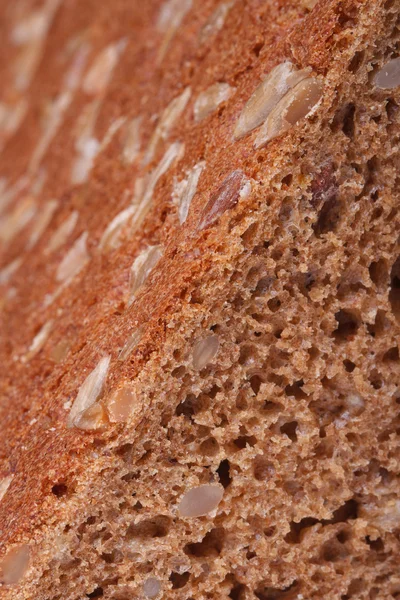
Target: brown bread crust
294 238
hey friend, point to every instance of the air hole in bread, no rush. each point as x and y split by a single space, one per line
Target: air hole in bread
378 272
209 447
394 294
238 592
263 469
333 551
290 592
290 429
59 489
357 61
242 441
210 546
97 593
224 473
392 355
349 365
348 324
179 580
158 527
295 390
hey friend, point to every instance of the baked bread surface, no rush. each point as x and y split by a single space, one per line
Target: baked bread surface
200 322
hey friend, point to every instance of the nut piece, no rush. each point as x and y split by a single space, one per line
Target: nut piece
168 119
141 268
14 565
88 393
75 259
151 587
388 77
267 95
225 198
204 351
122 403
131 146
201 500
62 233
4 485
185 190
210 99
92 419
296 105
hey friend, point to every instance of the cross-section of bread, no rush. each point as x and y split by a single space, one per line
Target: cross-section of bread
200 300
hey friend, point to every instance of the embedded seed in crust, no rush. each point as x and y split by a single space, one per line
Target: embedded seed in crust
99 74
110 240
92 418
14 565
185 190
209 100
39 340
216 21
4 485
294 106
42 221
88 393
62 233
204 351
388 77
226 197
201 500
131 147
151 587
75 259
130 344
264 99
141 268
122 403
167 121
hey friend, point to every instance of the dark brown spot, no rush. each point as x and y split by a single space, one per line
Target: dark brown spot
225 198
324 186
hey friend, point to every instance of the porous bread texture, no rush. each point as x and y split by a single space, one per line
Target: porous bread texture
245 443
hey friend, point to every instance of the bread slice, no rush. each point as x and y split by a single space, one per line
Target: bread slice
200 300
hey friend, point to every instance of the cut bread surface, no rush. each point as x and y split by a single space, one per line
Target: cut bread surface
200 301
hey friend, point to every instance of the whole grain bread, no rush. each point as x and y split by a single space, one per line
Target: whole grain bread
200 299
